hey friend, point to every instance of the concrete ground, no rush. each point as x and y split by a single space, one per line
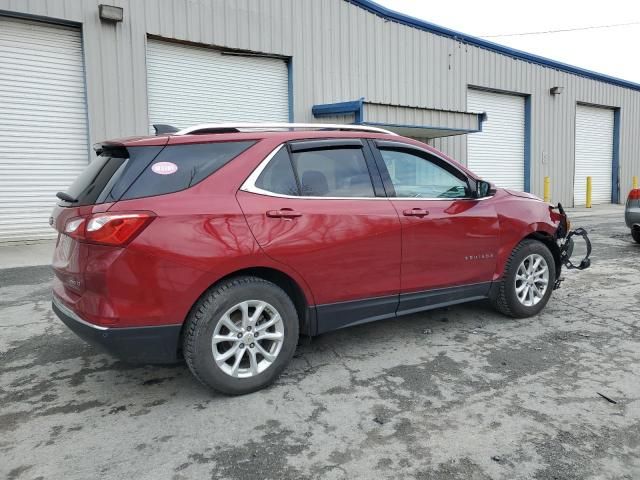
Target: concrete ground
27 254
458 393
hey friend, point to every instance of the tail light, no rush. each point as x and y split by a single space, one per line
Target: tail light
117 229
634 194
75 227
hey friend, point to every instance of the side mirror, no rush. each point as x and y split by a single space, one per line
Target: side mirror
484 189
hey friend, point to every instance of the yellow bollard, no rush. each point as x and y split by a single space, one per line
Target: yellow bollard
547 189
635 182
588 192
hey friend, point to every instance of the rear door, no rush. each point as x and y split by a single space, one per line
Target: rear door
449 240
120 173
93 191
316 207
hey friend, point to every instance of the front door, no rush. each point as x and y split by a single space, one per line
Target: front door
314 207
449 240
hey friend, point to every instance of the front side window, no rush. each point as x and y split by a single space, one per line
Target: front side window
335 172
414 176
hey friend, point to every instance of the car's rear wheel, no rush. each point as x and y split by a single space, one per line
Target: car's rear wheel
635 234
527 282
241 335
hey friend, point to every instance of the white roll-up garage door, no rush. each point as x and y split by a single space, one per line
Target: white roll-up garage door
43 123
189 85
497 152
594 154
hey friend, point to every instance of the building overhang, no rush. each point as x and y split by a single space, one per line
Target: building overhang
409 121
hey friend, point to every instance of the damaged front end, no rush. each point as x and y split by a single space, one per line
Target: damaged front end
566 243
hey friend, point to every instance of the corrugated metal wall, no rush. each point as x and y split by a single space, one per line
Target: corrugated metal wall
340 52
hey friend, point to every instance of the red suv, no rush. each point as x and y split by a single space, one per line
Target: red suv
223 243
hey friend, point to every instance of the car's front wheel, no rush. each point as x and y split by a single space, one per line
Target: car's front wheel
527 282
241 335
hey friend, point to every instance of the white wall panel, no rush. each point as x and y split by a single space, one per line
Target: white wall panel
497 152
594 153
43 123
190 85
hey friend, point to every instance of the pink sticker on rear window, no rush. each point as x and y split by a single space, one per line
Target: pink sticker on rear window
164 168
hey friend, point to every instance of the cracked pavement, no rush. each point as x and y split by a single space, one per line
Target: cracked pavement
456 393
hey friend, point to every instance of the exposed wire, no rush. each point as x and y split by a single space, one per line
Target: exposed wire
561 30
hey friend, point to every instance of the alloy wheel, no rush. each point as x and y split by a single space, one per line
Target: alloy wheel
247 339
532 280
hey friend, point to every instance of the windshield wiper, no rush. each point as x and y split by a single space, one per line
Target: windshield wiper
66 197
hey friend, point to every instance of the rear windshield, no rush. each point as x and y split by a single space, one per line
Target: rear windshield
134 172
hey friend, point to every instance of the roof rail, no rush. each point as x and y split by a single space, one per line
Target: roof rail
257 127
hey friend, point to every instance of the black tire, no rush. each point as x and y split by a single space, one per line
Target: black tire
635 234
505 299
202 321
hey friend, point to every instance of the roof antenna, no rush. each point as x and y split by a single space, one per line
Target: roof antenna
162 128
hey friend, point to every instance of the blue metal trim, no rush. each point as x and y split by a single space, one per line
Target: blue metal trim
463 37
527 143
290 87
615 163
340 108
398 125
359 115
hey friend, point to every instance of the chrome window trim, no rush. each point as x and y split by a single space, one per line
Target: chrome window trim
249 186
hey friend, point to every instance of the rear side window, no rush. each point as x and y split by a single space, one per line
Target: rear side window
278 176
179 167
335 172
105 174
120 173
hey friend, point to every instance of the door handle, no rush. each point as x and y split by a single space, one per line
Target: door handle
283 213
415 212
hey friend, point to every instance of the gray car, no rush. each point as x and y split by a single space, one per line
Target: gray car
632 213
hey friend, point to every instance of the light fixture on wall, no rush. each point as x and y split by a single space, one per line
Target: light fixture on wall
556 90
111 13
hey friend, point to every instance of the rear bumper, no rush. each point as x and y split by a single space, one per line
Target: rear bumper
156 344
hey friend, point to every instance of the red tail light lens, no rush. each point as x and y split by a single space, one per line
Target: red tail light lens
116 229
634 194
75 227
